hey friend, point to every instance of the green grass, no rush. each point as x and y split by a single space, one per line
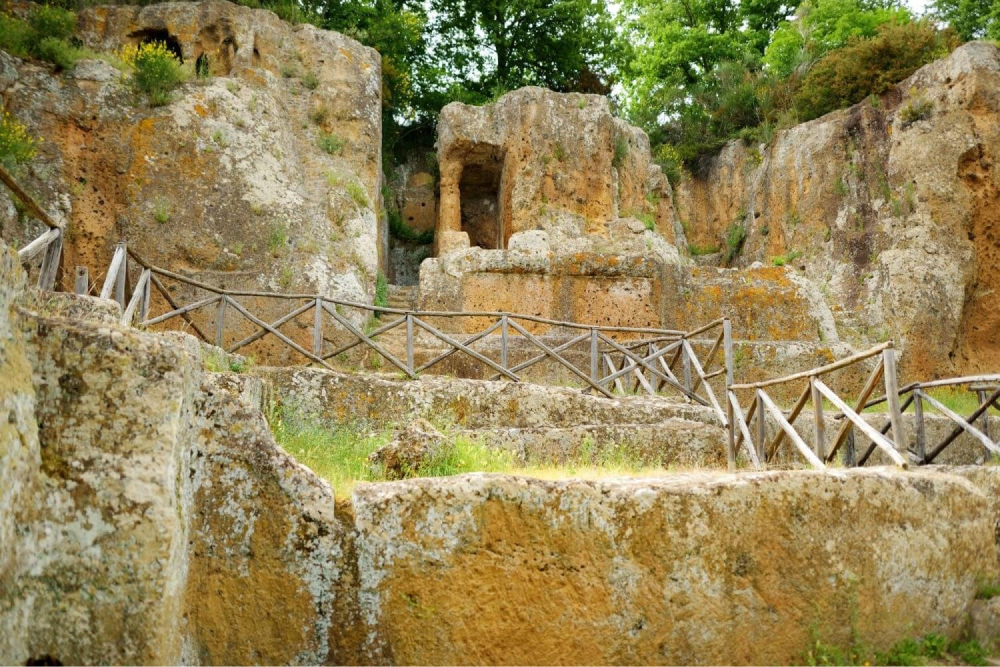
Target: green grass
357 193
277 239
929 649
381 291
339 454
330 143
987 590
787 258
699 250
218 361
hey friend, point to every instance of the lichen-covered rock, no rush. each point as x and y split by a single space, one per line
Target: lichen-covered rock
412 447
894 217
230 171
684 570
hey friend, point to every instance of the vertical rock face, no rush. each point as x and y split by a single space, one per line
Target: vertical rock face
893 207
264 176
504 166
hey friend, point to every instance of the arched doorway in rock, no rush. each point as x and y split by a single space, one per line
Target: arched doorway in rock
158 35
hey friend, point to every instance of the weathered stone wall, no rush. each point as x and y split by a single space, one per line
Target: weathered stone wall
896 220
688 570
226 183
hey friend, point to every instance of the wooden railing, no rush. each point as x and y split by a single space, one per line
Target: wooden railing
644 362
760 450
50 243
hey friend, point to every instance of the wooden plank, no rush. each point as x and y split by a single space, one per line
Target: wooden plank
612 368
275 324
117 260
862 425
536 359
545 348
594 365
749 416
137 297
81 282
503 341
727 332
636 361
885 429
958 429
465 348
183 309
50 263
958 419
822 370
29 202
708 359
869 387
819 426
173 304
791 432
708 388
892 396
282 337
344 322
731 437
744 430
38 245
144 305
772 448
468 341
348 346
985 419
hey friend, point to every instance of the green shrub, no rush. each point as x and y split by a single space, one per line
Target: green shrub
310 81
155 71
648 221
51 22
17 146
400 230
330 143
736 235
59 52
917 108
358 194
381 291
14 36
621 152
319 114
869 66
277 239
787 258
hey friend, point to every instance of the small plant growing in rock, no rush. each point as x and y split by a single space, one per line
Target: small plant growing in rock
621 152
201 68
155 71
285 277
220 138
17 146
787 258
277 239
916 109
648 221
233 87
381 292
736 235
699 250
161 211
289 70
840 187
357 194
582 104
319 114
330 143
310 80
559 152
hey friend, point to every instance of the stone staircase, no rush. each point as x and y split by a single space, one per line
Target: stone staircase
403 297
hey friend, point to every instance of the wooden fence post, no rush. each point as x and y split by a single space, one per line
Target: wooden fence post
731 449
761 427
918 415
850 453
82 282
318 328
503 341
50 263
686 361
220 318
727 342
820 426
120 278
594 366
892 398
409 341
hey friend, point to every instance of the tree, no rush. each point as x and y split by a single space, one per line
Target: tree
971 19
480 47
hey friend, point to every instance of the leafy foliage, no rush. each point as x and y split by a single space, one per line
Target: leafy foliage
156 71
45 35
17 146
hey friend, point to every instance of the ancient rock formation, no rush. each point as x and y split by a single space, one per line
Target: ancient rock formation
226 183
504 166
891 203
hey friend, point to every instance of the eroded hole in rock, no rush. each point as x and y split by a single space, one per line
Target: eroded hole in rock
43 660
158 35
482 218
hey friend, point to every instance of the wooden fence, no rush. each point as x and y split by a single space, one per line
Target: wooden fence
49 244
891 437
663 360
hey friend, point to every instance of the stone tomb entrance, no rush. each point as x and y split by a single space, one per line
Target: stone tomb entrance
476 205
